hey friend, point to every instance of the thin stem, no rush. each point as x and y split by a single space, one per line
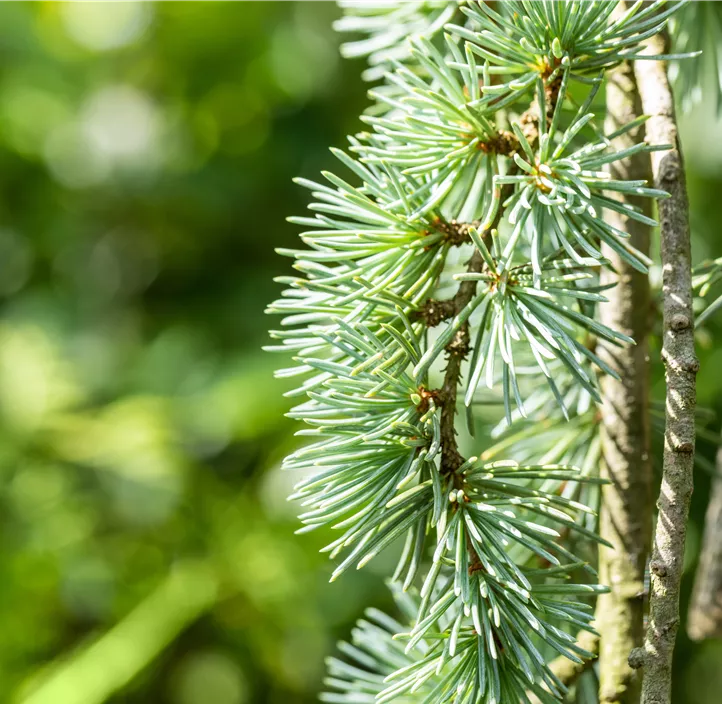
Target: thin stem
458 348
681 366
434 312
625 518
704 619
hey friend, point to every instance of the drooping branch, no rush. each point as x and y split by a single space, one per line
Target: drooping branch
459 347
625 519
681 366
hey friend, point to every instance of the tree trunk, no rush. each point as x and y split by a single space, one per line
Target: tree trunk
681 366
625 518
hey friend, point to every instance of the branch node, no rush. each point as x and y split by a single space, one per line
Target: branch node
503 142
459 344
434 312
658 568
679 321
683 446
636 658
426 397
455 233
691 365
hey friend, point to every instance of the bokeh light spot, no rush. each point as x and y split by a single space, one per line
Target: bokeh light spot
117 130
16 259
106 25
121 123
29 114
72 161
209 677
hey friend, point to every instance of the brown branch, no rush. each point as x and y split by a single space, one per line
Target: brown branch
434 312
681 366
625 517
458 348
704 619
455 233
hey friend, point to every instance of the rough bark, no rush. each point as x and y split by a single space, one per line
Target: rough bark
704 619
681 366
625 518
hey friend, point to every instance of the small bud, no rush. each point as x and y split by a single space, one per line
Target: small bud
691 365
679 321
636 658
658 568
683 446
557 48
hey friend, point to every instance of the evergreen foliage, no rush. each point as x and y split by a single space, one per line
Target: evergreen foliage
696 28
463 242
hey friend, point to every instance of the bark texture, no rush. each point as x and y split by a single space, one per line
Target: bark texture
625 518
705 613
681 366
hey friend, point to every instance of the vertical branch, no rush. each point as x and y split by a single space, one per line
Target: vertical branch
459 347
705 613
681 366
625 518
457 350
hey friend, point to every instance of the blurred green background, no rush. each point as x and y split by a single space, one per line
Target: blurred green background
147 552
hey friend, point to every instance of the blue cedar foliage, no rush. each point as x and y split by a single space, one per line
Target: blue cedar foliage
696 28
483 148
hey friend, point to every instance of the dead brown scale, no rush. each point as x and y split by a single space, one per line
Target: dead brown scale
426 398
434 312
455 233
503 142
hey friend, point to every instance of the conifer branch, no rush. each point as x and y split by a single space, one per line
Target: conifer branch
681 366
459 347
495 548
